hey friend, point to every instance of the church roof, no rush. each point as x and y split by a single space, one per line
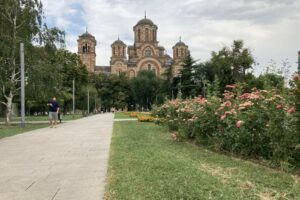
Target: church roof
145 21
180 43
118 41
86 34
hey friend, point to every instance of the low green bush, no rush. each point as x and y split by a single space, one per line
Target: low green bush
261 124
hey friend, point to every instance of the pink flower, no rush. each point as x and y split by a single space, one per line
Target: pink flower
223 117
242 108
231 86
227 103
291 110
239 123
279 106
228 96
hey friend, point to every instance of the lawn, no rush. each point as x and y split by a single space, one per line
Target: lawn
6 131
121 115
44 118
145 163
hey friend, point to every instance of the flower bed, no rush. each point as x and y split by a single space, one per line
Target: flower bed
257 124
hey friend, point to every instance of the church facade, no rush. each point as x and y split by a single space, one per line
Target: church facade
144 54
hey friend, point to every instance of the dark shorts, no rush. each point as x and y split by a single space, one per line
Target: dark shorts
53 116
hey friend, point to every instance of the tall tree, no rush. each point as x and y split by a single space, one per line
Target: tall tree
20 22
230 64
145 88
187 77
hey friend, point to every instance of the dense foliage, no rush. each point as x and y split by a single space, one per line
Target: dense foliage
256 124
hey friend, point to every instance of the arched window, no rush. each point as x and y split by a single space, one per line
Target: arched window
139 35
176 53
181 52
114 51
149 66
147 34
85 48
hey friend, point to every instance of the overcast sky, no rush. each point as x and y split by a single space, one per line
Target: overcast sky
270 28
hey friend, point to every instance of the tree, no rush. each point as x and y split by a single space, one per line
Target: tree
20 22
230 64
114 90
145 88
187 77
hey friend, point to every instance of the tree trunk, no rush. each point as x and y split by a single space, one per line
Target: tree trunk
8 108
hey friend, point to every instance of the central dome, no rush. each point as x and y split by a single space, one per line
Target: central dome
145 21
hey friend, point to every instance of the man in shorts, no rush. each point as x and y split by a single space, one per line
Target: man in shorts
53 112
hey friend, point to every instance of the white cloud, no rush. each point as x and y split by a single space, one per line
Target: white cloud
269 27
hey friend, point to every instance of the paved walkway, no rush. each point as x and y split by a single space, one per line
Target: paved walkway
125 119
64 163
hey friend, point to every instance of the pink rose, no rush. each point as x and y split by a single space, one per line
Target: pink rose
279 106
230 86
291 110
239 123
223 117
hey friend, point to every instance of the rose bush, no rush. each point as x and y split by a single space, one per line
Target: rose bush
257 124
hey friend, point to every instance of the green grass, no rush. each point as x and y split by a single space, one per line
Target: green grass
44 118
6 131
121 115
145 163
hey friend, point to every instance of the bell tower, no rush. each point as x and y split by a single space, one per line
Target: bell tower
118 57
180 51
87 50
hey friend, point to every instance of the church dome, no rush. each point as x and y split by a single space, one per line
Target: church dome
87 35
145 21
118 41
180 43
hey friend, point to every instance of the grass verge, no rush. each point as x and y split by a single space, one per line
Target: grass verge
6 131
121 115
145 163
43 118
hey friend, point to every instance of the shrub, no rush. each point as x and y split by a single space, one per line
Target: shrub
133 114
145 118
257 124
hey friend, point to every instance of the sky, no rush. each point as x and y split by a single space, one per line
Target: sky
269 28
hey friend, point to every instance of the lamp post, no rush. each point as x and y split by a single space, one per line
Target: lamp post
22 85
73 98
88 102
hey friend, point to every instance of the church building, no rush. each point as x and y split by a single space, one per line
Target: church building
144 54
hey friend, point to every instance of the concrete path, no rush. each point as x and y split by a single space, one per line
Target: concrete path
125 119
64 163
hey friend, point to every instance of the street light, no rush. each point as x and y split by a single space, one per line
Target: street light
22 85
73 98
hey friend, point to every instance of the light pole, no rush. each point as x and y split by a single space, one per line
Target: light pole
95 109
88 102
22 85
73 98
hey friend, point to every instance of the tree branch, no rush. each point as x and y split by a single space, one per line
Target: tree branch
3 91
1 102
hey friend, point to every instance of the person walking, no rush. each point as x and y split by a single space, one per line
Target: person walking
53 112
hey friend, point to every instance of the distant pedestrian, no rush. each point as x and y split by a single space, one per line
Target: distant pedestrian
53 112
